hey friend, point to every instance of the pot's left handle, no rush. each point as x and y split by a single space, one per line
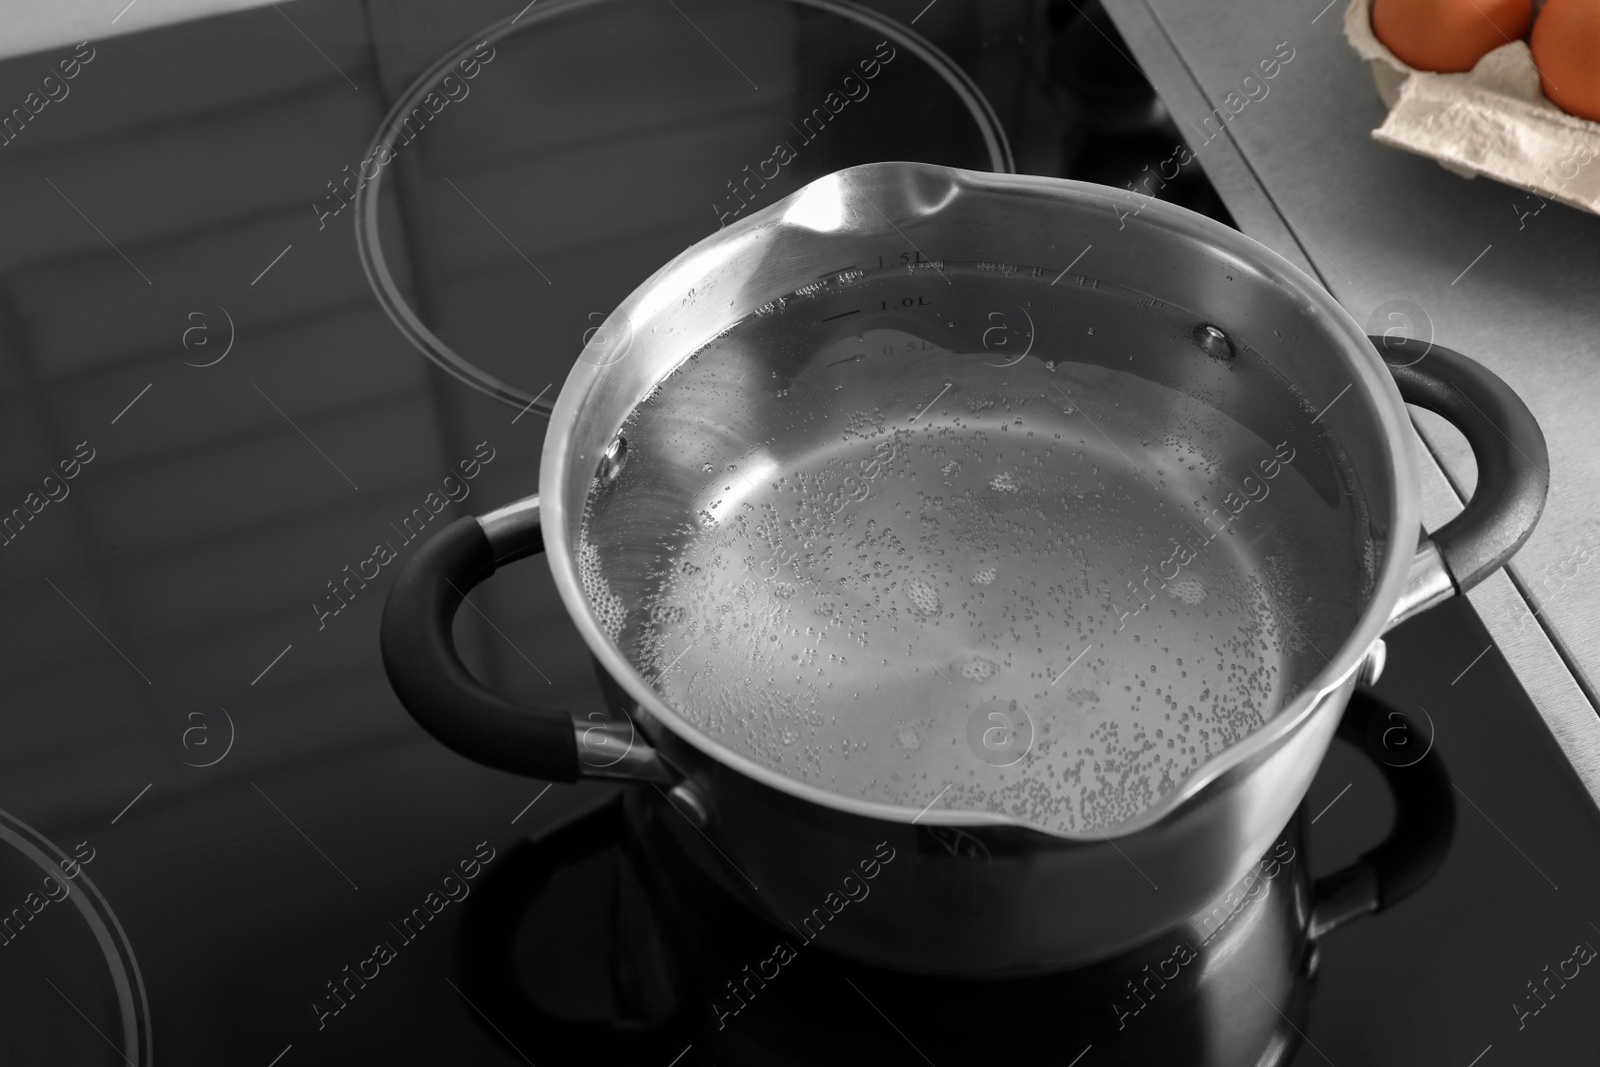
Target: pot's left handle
426 672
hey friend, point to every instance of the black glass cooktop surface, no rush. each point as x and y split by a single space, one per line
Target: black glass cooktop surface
285 290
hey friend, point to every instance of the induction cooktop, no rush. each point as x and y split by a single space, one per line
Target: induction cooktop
285 289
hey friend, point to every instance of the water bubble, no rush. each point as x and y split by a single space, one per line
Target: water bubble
1188 590
978 669
923 596
608 607
667 614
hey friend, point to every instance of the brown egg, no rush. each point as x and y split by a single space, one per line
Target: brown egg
1566 49
1450 35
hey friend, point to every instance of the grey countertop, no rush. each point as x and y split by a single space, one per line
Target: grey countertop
1514 288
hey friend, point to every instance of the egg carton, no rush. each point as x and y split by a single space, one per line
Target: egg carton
1493 120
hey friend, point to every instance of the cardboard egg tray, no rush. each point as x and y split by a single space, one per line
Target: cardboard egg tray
1493 120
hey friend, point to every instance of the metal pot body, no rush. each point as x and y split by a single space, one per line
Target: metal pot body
1231 985
975 892
983 900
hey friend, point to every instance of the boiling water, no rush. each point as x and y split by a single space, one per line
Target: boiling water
901 560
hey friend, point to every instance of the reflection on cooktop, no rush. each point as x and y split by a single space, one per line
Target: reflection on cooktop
224 839
684 969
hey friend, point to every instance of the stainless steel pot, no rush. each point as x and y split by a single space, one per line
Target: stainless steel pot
1221 337
1232 985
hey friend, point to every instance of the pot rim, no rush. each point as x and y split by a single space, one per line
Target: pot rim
1349 340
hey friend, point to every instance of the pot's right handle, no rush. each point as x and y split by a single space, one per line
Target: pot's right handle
426 672
1513 467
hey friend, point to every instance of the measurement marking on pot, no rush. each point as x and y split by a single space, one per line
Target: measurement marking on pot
680 1055
273 664
1474 662
132 402
532 802
1286 1019
886 1018
499 631
848 359
931 803
501 232
124 11
97 630
131 803
280 1056
921 13
1086 1048
488 1020
1073 664
895 228
302 433
1331 803
1324 11
842 314
92 1026
1074 262
713 44
1479 1056
1474 262
1124 855
932 402
1332 402
532 402
524 11
302 833
710 842
1502 833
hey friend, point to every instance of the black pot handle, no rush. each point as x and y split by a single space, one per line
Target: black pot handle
644 1029
427 674
1513 463
1417 843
